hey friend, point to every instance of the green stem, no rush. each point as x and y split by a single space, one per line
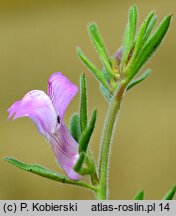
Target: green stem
109 126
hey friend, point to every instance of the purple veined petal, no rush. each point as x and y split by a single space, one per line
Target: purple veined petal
65 149
44 110
61 91
36 105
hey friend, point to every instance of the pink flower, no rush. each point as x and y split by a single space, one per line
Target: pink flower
47 112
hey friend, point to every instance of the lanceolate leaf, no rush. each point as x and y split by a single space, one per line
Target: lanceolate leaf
170 194
142 36
93 69
149 18
137 47
139 195
37 169
149 48
93 29
97 41
129 36
150 27
42 171
75 126
86 135
83 103
140 79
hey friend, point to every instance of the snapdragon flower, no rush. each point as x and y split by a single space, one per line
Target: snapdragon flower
47 112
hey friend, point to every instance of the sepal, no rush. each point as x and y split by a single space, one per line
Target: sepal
86 135
75 129
79 164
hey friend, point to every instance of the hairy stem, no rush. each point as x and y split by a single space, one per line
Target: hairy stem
107 134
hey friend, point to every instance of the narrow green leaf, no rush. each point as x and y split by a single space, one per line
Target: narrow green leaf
139 195
138 46
129 36
149 18
75 126
170 194
150 27
79 162
37 169
93 69
97 42
139 80
83 103
44 172
86 135
140 40
149 48
93 28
